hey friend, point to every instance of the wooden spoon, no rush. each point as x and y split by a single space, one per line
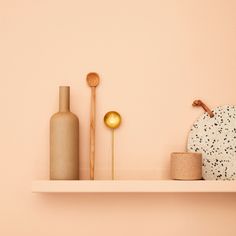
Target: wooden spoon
93 81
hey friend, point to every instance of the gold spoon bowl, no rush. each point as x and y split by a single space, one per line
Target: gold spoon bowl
112 119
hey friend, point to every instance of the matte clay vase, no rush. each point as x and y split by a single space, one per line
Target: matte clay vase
64 140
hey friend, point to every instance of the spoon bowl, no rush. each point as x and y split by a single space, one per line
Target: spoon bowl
93 79
112 119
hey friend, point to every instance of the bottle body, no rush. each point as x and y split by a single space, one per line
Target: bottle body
64 141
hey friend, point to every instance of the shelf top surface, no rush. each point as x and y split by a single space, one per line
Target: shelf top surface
129 186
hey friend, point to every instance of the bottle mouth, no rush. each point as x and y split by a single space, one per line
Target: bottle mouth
64 87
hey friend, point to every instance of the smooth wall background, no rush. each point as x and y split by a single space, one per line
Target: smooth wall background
154 58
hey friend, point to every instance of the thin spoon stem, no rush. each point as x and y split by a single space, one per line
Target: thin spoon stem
113 154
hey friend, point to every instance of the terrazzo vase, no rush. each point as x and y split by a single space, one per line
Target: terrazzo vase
64 140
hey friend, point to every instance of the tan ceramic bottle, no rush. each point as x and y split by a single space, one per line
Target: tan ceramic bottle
64 140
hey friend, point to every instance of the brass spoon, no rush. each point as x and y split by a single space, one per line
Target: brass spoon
93 81
112 120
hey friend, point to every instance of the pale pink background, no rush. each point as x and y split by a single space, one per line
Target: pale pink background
154 58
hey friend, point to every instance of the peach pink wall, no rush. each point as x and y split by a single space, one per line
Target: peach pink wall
154 58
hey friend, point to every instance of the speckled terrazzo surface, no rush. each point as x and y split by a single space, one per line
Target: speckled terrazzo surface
215 138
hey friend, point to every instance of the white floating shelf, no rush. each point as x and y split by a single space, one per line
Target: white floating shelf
132 186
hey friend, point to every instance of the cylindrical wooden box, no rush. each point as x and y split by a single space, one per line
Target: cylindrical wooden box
186 165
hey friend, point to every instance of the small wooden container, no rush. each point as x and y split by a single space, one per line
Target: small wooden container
186 165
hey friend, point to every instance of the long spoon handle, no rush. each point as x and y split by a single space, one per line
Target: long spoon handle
113 154
92 132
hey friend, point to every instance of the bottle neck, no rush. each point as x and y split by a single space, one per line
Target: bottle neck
64 99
